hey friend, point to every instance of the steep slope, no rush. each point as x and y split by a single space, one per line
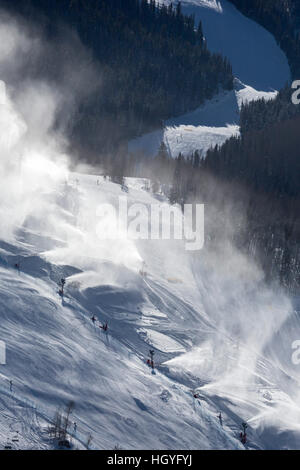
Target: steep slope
214 324
56 354
221 332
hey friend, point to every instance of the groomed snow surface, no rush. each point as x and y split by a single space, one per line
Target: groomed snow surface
220 331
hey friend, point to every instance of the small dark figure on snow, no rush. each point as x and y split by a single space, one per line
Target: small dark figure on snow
243 435
244 425
62 286
10 385
220 419
93 319
142 271
75 427
104 327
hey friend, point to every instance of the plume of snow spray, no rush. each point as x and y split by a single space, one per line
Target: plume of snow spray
41 83
244 356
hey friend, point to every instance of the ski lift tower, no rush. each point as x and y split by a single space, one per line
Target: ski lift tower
151 352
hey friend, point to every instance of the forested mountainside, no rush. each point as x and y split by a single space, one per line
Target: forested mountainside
256 178
267 162
154 63
259 114
282 19
265 158
153 60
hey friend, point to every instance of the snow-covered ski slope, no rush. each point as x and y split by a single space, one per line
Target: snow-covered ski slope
56 354
260 68
214 324
220 331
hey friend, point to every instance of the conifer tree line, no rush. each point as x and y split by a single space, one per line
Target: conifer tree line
256 175
260 114
265 159
154 64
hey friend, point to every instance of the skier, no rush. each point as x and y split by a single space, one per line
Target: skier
243 435
10 385
62 284
93 319
104 327
17 266
75 427
143 272
220 419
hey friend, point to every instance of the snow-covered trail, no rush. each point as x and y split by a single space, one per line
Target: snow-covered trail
219 331
260 68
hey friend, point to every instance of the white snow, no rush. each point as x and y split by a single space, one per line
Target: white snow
247 94
214 324
160 341
219 331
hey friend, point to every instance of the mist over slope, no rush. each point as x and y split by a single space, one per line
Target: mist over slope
152 62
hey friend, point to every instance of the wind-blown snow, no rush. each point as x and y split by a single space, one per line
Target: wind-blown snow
213 323
193 316
219 331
